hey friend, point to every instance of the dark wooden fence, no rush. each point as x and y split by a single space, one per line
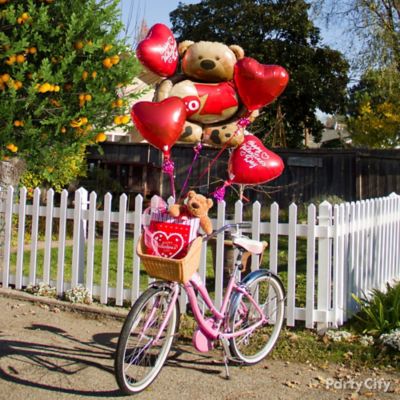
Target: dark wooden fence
309 175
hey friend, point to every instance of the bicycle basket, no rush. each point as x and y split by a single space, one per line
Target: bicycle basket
176 270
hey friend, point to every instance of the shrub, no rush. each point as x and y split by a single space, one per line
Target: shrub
62 68
391 339
380 312
41 289
79 294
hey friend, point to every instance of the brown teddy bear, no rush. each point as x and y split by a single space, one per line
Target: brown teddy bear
206 86
197 206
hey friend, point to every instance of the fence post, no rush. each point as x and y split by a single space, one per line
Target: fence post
80 230
7 237
324 264
3 195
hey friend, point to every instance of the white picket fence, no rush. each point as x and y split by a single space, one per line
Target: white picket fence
350 248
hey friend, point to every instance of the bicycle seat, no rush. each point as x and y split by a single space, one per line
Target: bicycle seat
253 246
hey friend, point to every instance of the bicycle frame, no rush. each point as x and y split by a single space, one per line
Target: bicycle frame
214 331
218 316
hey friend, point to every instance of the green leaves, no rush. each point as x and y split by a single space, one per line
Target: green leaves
51 74
374 109
379 312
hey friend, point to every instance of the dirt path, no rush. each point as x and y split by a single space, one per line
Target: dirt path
47 352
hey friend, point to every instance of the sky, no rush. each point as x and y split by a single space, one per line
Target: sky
157 11
153 11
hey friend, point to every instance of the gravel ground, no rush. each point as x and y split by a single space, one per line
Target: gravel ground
48 351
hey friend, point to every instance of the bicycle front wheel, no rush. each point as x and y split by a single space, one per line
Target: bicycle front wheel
139 357
255 344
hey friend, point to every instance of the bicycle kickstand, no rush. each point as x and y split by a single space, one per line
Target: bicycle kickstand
226 356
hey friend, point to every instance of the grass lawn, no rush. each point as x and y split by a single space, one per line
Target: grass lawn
112 277
112 270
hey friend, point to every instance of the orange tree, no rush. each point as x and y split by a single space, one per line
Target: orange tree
62 69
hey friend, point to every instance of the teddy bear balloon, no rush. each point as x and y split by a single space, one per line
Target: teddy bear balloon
213 106
220 89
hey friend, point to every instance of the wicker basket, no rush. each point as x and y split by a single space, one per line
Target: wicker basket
168 269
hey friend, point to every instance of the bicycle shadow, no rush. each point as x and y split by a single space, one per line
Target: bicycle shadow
186 357
50 367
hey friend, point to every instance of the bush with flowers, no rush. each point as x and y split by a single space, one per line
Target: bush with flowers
62 67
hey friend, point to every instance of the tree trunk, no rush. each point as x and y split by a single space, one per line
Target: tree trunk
10 173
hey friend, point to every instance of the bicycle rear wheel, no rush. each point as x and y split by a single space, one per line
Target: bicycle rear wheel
253 346
139 358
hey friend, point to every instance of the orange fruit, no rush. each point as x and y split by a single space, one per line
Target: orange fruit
78 45
101 137
107 63
11 60
115 59
46 87
12 147
107 47
125 119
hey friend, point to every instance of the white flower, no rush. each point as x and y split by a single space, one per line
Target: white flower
41 289
391 339
366 340
79 294
339 336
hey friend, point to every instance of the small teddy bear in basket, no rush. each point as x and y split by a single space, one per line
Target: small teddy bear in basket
196 206
169 231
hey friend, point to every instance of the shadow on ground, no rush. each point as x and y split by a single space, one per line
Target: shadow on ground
63 361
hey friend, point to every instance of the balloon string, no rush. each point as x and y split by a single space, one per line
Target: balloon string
168 168
242 123
219 194
196 150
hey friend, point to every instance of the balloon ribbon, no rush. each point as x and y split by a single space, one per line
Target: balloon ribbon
241 124
168 167
196 150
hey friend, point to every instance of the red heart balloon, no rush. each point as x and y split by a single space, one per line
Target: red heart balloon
251 163
160 123
158 51
259 84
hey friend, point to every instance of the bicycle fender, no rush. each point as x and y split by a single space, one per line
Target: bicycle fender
251 277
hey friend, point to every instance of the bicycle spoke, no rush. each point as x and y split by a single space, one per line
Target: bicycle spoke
143 347
261 330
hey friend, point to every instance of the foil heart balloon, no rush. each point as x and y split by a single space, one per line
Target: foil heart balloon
251 163
259 84
160 123
158 51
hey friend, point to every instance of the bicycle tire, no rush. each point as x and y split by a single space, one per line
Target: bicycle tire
138 361
268 291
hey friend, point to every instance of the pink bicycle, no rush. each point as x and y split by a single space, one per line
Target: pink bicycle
247 324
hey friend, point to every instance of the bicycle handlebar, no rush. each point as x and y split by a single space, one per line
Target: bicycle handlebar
228 227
